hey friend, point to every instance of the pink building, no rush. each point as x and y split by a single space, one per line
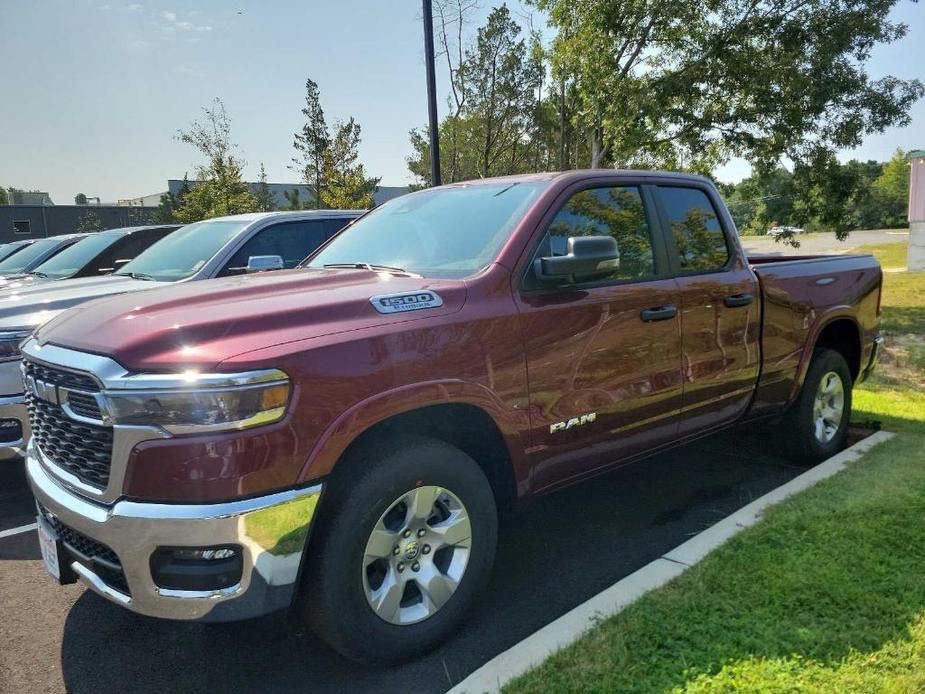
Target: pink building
917 210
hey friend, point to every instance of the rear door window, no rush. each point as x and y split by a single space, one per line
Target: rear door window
694 225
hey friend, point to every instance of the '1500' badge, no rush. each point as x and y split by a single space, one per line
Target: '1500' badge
406 301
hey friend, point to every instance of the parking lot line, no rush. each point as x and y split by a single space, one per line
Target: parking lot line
17 531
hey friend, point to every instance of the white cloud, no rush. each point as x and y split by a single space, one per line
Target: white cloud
135 7
186 26
169 16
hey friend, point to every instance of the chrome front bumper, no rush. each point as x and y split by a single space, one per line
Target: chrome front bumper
271 532
12 408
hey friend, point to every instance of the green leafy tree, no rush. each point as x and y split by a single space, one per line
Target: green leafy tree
80 199
496 101
4 198
293 198
346 184
668 83
89 223
266 202
891 191
312 143
220 189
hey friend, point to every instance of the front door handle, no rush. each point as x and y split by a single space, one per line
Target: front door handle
651 315
738 300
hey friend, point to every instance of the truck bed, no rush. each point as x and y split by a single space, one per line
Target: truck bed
800 296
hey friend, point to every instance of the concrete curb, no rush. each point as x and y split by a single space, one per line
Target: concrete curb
569 627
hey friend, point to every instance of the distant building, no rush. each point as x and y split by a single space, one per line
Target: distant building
277 190
18 222
28 197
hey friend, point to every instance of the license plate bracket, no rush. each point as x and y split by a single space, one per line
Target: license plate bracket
54 555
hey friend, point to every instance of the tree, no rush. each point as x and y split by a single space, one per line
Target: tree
266 202
312 142
89 223
4 198
80 199
499 123
666 83
346 184
891 191
220 188
292 197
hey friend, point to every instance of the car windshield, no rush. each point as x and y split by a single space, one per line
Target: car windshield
447 233
184 252
74 258
24 259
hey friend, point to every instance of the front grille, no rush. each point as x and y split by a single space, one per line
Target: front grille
84 450
102 560
83 404
60 377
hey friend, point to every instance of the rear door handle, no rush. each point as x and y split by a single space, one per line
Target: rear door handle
651 315
738 300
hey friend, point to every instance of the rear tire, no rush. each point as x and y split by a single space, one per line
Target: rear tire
816 426
405 542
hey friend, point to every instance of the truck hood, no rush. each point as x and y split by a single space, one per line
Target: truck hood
200 325
32 305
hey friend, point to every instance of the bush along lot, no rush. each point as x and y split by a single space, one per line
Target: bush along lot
826 594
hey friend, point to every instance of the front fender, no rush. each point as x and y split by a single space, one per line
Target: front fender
330 446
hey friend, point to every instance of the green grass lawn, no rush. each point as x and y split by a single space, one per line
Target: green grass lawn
826 594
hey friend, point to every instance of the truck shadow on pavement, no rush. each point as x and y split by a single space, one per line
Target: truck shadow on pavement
552 556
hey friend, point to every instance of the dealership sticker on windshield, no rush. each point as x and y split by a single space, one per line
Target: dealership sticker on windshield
406 301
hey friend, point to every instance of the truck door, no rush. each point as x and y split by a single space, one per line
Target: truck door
720 308
603 358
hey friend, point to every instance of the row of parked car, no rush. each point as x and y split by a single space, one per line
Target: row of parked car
120 261
340 439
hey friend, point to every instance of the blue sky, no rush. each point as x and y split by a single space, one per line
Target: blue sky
93 91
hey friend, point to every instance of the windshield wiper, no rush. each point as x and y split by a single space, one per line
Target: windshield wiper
137 276
38 274
371 267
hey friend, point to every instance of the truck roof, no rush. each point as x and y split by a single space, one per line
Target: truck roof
581 174
294 214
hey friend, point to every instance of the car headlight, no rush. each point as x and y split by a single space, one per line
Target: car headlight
10 343
204 409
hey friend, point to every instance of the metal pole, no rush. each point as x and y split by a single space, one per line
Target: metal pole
431 92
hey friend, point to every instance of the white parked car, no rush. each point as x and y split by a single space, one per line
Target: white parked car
778 231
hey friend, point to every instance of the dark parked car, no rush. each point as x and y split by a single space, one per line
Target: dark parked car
24 261
8 249
99 254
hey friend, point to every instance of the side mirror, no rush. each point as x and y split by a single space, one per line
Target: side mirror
587 258
263 263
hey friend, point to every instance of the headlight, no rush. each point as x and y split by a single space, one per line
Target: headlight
201 409
10 342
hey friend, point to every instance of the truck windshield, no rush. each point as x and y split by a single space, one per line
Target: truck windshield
184 252
447 233
24 259
73 258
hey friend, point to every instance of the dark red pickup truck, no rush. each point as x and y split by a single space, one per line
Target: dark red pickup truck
341 438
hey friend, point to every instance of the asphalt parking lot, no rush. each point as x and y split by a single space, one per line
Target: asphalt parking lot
552 556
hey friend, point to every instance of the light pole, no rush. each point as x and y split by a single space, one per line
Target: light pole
431 92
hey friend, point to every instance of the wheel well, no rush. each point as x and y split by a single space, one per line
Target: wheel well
842 335
467 427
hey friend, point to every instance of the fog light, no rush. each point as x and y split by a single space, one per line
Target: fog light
10 430
197 568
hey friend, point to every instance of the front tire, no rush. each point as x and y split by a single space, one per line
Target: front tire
816 426
405 545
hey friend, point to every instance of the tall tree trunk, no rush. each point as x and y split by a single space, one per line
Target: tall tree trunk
597 146
562 134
